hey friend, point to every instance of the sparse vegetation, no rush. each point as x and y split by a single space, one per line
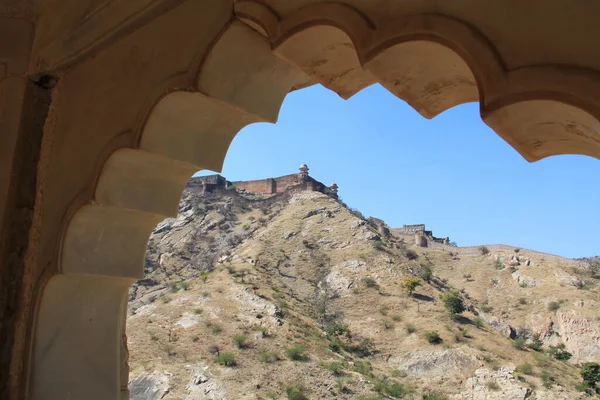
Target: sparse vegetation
554 305
410 284
389 388
522 300
411 254
240 341
296 391
296 353
410 328
524 369
335 367
369 282
426 273
590 372
226 359
433 337
453 303
478 322
519 343
267 356
492 385
484 250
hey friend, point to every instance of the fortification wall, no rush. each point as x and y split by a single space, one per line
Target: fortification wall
496 248
266 186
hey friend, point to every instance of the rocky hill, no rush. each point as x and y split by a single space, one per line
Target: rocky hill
295 296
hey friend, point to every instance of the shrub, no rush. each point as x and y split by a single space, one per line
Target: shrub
335 367
240 341
536 344
498 264
433 337
369 282
478 322
563 355
363 367
547 380
492 385
296 353
522 300
173 286
486 308
484 250
411 254
410 284
226 359
453 302
524 369
410 328
519 343
590 372
266 356
426 273
214 349
184 285
365 348
197 311
390 388
554 305
297 391
216 329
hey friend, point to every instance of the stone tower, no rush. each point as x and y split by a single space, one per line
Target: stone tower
334 190
303 174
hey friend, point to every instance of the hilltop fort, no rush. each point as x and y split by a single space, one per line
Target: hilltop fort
302 181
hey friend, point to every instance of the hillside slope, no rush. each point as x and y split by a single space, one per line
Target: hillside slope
296 296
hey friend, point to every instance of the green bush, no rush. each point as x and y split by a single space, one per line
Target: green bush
554 305
390 388
369 282
363 367
453 302
410 328
536 344
410 284
478 322
240 341
522 300
296 353
364 348
335 367
411 254
266 356
519 343
590 372
426 273
297 391
433 337
524 369
226 359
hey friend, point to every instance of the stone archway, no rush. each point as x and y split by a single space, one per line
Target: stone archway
188 104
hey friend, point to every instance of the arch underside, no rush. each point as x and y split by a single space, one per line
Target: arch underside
431 61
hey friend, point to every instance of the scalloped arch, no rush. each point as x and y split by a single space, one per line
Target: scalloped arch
539 110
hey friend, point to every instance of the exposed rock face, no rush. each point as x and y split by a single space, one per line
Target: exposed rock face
149 386
437 363
493 385
565 279
524 280
203 387
581 336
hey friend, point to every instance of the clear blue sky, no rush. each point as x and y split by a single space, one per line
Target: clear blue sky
452 173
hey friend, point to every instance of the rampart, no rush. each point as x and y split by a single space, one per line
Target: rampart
495 248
